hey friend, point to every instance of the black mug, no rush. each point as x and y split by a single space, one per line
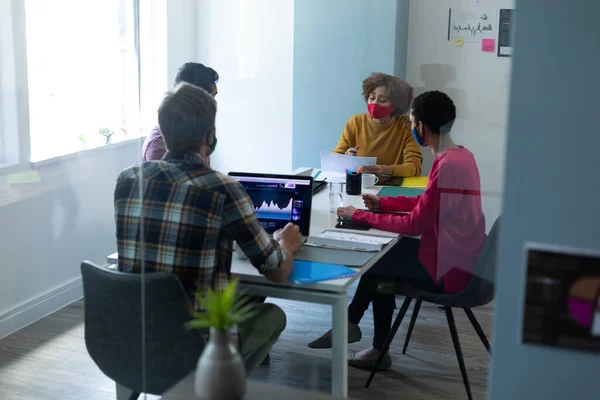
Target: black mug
353 183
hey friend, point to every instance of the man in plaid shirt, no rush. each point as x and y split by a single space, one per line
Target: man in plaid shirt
180 216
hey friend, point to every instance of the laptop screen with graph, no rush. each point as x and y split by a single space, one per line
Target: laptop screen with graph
279 199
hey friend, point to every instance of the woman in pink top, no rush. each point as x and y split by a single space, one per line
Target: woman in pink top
447 216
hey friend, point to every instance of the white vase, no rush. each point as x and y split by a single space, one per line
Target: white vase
220 373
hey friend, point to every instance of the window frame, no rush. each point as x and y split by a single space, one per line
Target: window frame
42 159
14 99
15 136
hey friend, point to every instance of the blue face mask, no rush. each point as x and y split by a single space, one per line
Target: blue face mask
418 139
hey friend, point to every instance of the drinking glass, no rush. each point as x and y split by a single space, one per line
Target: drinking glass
336 196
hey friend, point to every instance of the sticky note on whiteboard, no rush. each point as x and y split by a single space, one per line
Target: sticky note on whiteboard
460 42
24 178
488 45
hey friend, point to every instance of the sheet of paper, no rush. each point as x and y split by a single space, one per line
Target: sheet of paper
354 237
460 42
472 24
334 162
488 45
23 178
415 182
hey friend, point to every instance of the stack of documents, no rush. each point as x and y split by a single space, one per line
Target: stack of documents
342 240
334 162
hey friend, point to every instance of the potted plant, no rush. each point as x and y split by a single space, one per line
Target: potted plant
220 373
82 140
107 133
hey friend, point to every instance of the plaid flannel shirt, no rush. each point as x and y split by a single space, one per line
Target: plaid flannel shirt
183 220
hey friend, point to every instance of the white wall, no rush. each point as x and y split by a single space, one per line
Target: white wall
250 43
51 226
477 82
181 34
337 44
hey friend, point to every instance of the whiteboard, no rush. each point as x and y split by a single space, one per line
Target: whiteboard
473 24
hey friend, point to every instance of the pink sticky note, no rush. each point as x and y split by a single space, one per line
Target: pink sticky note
488 45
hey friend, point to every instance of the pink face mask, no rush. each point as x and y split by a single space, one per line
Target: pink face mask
378 111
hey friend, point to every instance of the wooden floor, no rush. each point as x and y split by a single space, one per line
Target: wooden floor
48 360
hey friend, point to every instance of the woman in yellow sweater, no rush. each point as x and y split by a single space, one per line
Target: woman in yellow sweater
384 132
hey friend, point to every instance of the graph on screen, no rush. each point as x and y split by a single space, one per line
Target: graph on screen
272 204
273 211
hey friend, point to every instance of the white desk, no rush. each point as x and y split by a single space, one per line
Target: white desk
332 292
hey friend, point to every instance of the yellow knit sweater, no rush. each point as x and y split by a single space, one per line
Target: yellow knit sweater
391 143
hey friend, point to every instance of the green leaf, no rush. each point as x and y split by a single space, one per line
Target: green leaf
242 308
223 308
246 312
229 295
198 324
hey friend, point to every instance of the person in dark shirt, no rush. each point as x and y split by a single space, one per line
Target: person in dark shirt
196 74
180 216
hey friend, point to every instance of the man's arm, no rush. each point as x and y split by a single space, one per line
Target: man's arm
273 258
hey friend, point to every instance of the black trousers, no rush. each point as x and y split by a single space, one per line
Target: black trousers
400 264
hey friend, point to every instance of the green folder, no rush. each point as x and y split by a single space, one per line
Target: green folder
395 191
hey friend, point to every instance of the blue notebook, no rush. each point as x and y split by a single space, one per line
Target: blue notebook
395 191
311 272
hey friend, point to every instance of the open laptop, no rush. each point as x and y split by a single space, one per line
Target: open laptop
317 185
279 199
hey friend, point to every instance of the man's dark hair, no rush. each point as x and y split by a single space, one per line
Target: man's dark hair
186 117
434 109
198 75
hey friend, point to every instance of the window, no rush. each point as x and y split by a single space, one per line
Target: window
83 74
9 86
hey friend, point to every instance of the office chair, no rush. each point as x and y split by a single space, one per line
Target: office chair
114 336
478 292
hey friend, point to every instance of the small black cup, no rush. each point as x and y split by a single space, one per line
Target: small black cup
353 183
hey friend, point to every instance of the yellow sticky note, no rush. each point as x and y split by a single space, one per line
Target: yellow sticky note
460 41
415 182
24 177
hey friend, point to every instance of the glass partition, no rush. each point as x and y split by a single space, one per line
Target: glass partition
82 177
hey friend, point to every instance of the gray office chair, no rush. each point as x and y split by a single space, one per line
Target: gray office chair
479 292
113 329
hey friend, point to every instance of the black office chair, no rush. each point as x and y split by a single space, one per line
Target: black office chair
479 292
113 329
